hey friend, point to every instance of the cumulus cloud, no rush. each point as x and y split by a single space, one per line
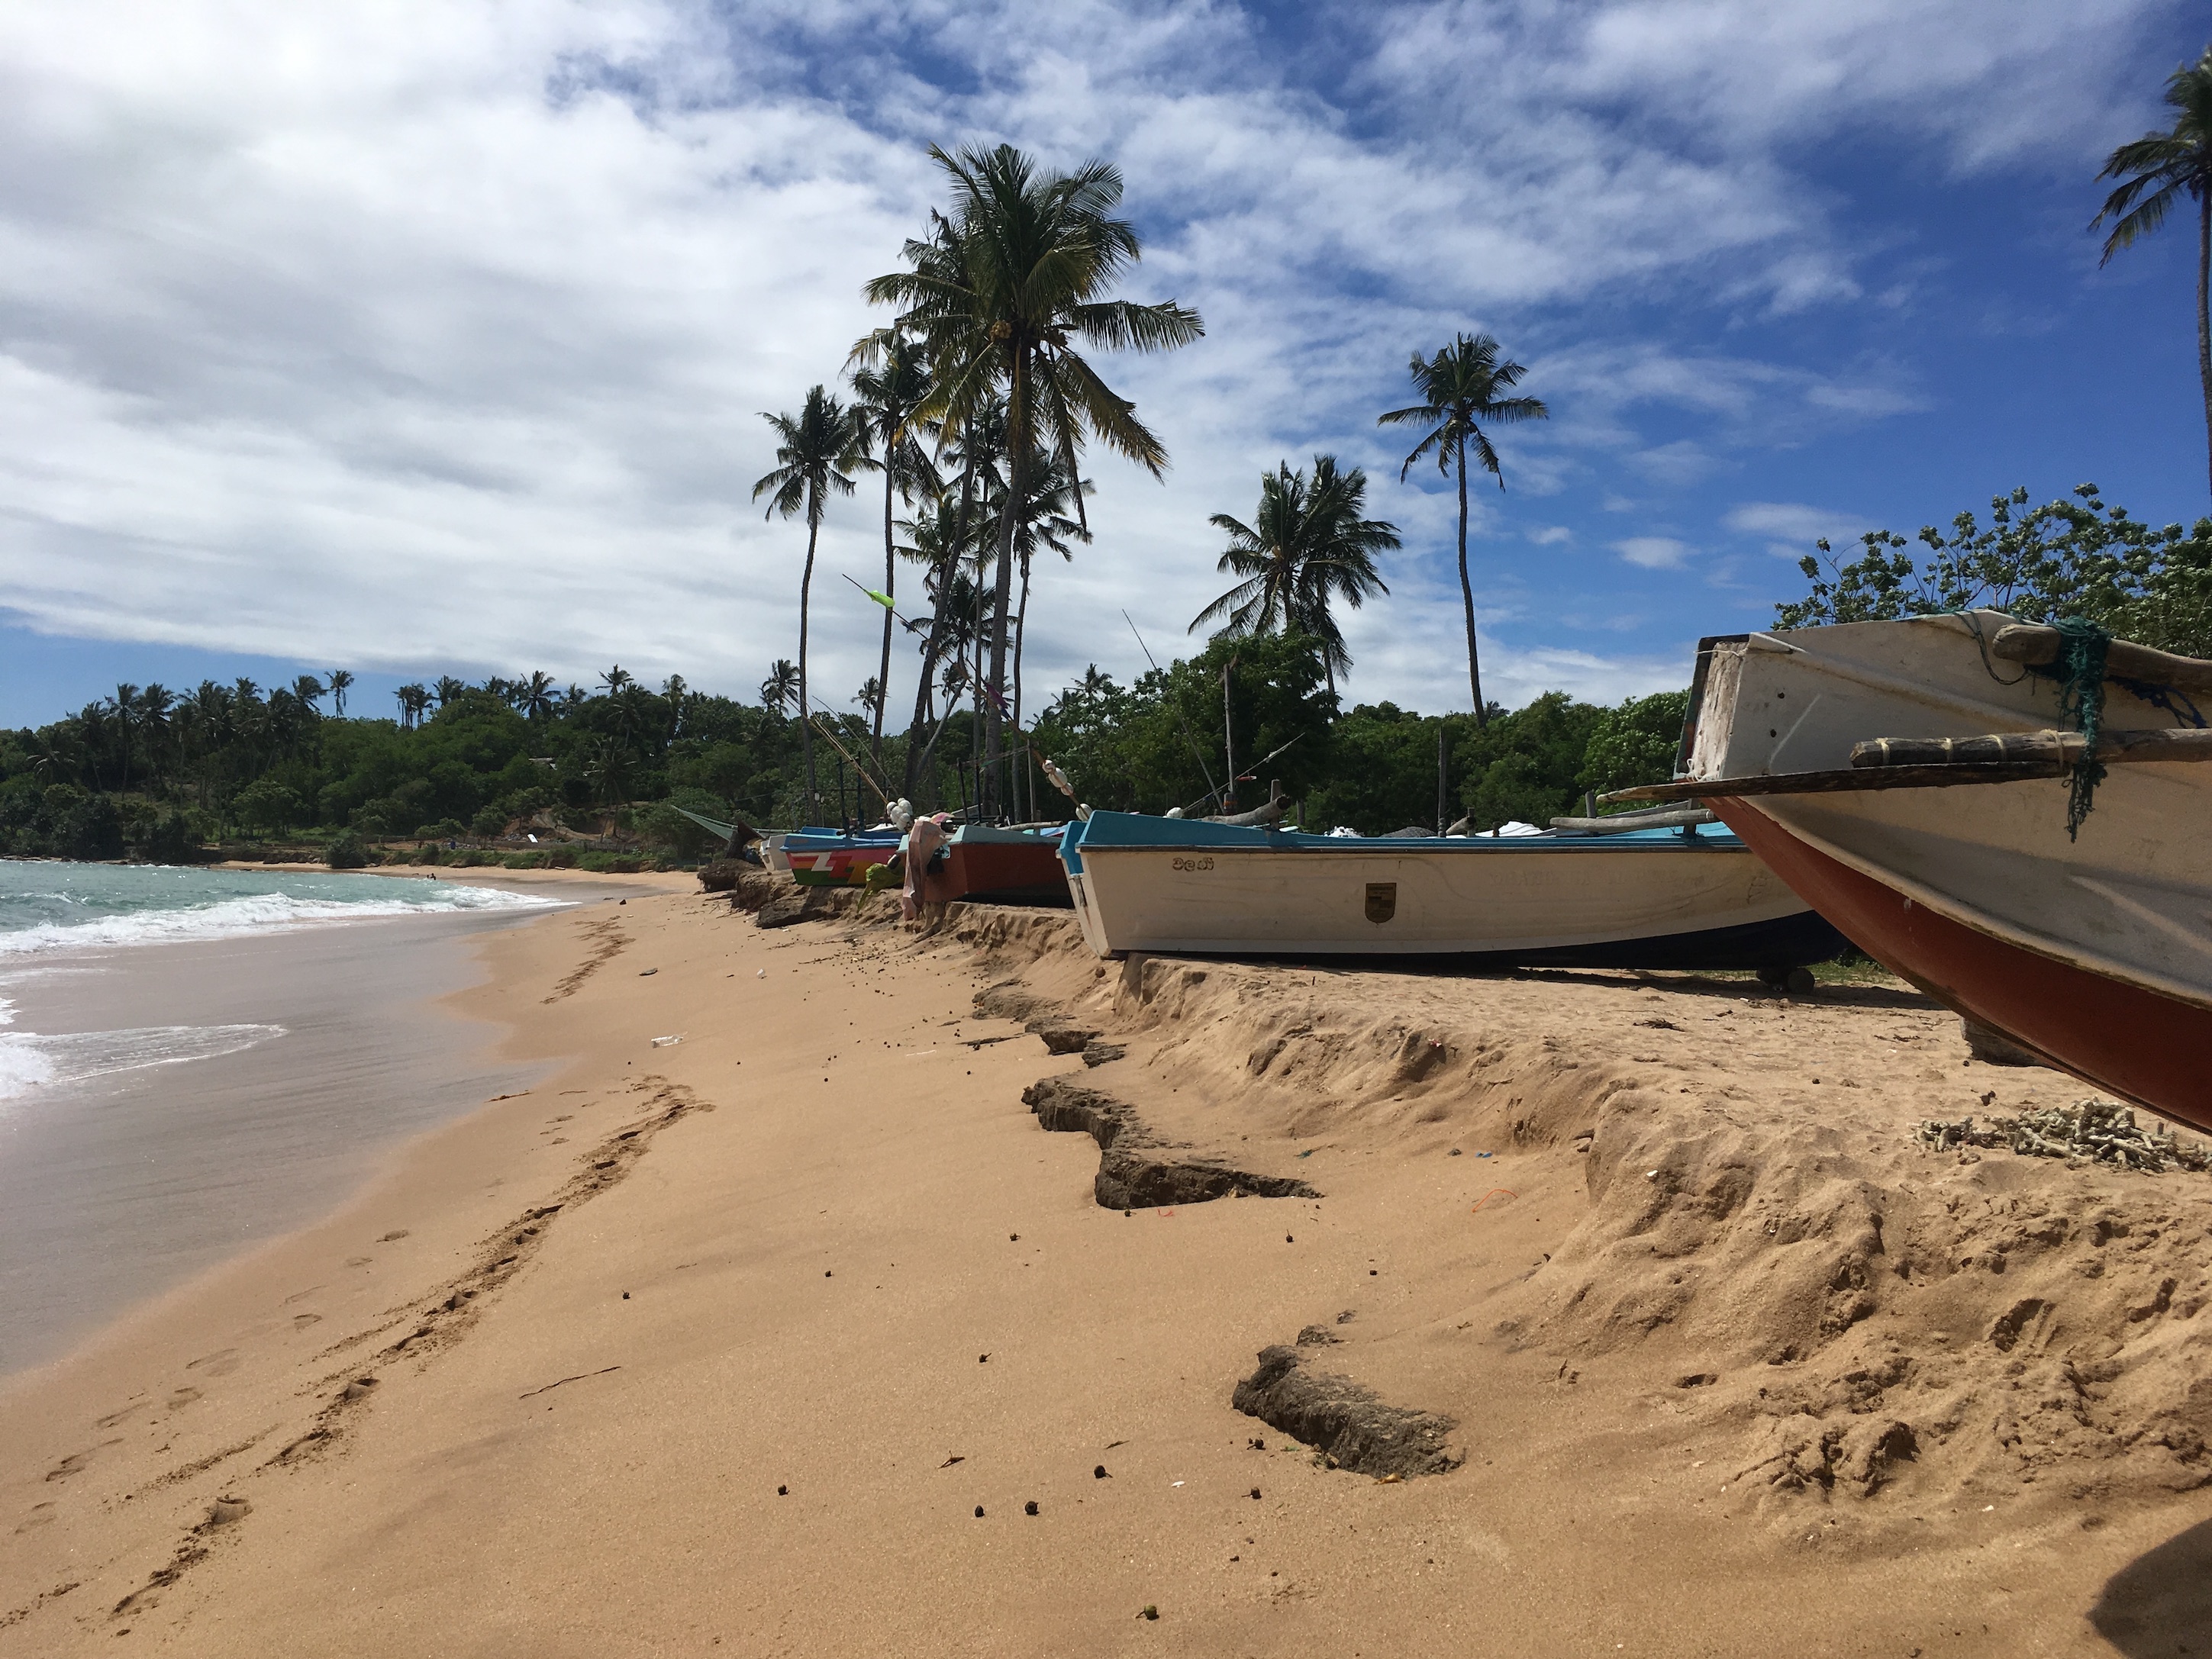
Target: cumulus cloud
1653 552
1791 527
418 337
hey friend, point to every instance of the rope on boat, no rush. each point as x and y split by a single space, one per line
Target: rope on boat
2080 671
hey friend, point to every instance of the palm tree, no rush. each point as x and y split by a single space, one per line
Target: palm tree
1000 295
944 537
413 698
2168 164
1307 547
606 766
1459 388
816 454
617 677
890 386
449 688
1043 522
780 688
341 682
534 697
310 690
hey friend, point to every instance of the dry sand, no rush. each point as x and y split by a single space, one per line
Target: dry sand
1732 1365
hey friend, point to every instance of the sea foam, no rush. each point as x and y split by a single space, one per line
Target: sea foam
29 1061
252 912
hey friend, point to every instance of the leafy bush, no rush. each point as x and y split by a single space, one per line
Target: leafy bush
2065 558
346 852
93 829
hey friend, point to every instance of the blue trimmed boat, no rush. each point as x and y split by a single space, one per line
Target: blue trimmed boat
1691 895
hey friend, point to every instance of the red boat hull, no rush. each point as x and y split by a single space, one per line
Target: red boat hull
2140 1045
998 872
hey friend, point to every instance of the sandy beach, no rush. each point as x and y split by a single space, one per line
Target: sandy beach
1639 1318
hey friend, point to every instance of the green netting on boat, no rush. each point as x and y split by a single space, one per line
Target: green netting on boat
2080 671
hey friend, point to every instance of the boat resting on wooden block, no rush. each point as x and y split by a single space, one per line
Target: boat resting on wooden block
1688 897
2092 951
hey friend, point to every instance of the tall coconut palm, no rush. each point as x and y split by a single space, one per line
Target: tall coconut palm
341 682
817 452
1001 296
780 688
1044 522
1306 548
1459 389
533 697
2157 169
890 383
974 447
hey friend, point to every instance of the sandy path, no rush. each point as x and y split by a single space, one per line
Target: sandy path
839 1257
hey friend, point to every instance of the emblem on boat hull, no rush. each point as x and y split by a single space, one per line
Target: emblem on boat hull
1382 900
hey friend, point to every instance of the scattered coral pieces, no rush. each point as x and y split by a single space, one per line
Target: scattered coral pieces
2089 1130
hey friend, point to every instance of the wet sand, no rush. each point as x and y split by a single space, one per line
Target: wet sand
119 1187
722 1346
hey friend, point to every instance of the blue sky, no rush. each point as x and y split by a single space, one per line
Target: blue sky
418 340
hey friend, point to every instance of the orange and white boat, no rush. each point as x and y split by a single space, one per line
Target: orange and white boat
1831 752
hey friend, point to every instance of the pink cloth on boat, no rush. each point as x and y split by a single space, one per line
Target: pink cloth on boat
922 841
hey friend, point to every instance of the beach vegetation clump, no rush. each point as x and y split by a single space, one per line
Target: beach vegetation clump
345 852
2068 557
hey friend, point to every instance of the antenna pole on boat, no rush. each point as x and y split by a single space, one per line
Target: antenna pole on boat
1228 738
1440 777
1211 792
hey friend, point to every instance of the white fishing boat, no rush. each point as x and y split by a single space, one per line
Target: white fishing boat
1688 896
2085 939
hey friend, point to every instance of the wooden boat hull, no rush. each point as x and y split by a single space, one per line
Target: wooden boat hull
1658 901
845 863
2094 952
2131 1042
1028 871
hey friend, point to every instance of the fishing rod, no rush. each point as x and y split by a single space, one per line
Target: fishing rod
1252 776
912 624
858 770
1211 793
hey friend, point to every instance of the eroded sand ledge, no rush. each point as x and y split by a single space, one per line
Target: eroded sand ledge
722 1344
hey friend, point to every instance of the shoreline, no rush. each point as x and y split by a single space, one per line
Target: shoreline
781 1245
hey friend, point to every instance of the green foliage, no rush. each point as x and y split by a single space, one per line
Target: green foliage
1383 770
1528 765
2065 558
345 852
1635 743
1156 745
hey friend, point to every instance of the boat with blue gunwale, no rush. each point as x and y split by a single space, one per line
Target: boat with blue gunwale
1687 896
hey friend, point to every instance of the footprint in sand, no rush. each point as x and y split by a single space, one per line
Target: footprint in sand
115 1417
41 1515
301 1322
358 1260
179 1398
75 1462
300 1296
394 1236
222 1362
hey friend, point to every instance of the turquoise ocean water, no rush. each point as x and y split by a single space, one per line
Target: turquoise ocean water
51 913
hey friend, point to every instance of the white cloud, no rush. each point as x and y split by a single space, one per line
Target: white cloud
420 337
1792 527
1653 552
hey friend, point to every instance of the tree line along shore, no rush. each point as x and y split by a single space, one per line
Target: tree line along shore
468 772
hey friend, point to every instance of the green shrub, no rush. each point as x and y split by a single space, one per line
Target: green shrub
525 861
611 864
345 852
